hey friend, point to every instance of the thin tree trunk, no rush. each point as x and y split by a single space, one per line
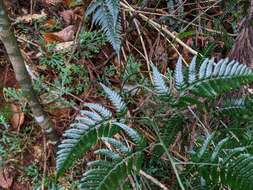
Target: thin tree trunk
9 40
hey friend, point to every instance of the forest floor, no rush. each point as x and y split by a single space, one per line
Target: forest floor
66 55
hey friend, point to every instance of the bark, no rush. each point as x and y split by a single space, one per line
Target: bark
242 50
10 42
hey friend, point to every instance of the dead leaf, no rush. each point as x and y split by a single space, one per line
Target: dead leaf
68 16
65 35
6 179
18 117
72 16
30 17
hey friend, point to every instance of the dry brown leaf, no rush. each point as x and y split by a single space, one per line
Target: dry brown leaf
29 18
72 16
18 117
6 179
68 16
65 35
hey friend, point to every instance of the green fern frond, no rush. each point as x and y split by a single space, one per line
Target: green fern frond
159 82
216 79
106 14
78 140
88 127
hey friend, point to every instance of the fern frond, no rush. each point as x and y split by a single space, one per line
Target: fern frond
216 79
159 82
116 100
79 139
89 126
100 109
106 14
110 176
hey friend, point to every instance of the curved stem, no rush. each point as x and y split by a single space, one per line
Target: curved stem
10 42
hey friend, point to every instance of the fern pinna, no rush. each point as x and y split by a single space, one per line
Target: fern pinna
106 14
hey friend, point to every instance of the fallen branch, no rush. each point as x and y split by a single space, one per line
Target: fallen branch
163 28
10 42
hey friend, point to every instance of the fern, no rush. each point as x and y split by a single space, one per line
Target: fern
110 172
224 167
89 125
211 80
106 14
216 79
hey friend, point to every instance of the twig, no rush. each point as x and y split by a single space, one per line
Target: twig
144 49
197 17
154 180
163 28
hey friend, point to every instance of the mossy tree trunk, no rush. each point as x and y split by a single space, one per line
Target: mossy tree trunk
10 42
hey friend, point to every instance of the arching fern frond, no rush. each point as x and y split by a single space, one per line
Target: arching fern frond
106 14
111 172
88 127
216 79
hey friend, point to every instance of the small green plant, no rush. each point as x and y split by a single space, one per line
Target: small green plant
51 57
3 122
90 43
132 70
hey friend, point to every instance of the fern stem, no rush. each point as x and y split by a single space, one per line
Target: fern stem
173 164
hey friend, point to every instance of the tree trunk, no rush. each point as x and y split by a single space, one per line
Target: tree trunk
9 40
242 50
